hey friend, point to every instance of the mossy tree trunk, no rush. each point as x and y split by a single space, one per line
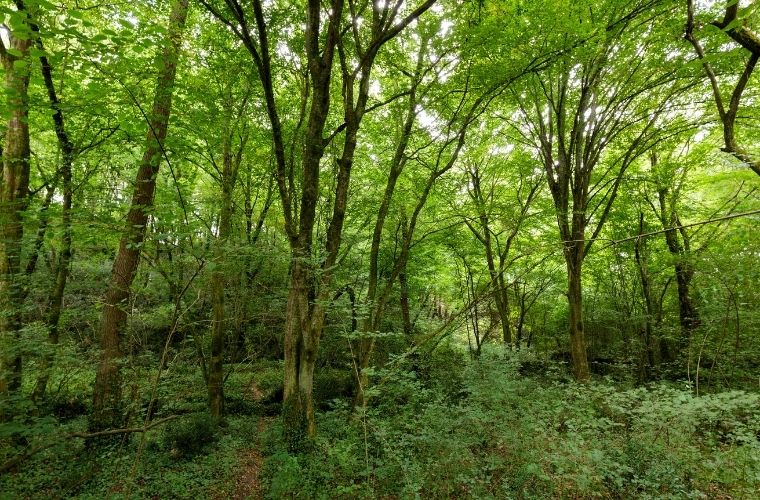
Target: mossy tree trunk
232 159
14 192
574 263
310 279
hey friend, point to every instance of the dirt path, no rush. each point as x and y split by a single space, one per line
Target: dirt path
248 477
250 461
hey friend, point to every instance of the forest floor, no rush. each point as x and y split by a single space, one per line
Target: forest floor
452 428
248 481
248 476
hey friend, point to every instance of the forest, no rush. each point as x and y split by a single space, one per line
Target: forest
380 249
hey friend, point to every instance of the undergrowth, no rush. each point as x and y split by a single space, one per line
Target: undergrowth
437 426
487 432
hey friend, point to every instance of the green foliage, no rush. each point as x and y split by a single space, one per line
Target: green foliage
155 468
512 436
189 435
443 370
332 383
438 423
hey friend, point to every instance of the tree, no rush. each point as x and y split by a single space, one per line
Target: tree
679 246
590 117
234 142
443 148
68 154
107 392
357 46
497 241
13 193
737 29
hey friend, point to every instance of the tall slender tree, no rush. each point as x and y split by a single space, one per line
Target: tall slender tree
234 142
590 117
107 394
338 30
68 153
497 241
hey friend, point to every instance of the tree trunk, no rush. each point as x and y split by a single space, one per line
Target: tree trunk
678 246
216 362
404 302
687 312
107 392
577 334
64 260
218 280
62 276
646 291
502 306
13 200
408 228
298 410
365 346
521 301
303 321
474 317
500 295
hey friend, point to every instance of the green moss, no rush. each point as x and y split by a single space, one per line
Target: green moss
296 424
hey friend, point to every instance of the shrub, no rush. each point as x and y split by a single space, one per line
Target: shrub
509 436
332 383
189 435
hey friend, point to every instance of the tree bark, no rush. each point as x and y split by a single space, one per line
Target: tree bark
64 260
574 263
107 392
678 246
404 302
230 168
216 360
300 356
13 200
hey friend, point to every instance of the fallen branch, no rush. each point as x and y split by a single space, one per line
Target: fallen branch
14 461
